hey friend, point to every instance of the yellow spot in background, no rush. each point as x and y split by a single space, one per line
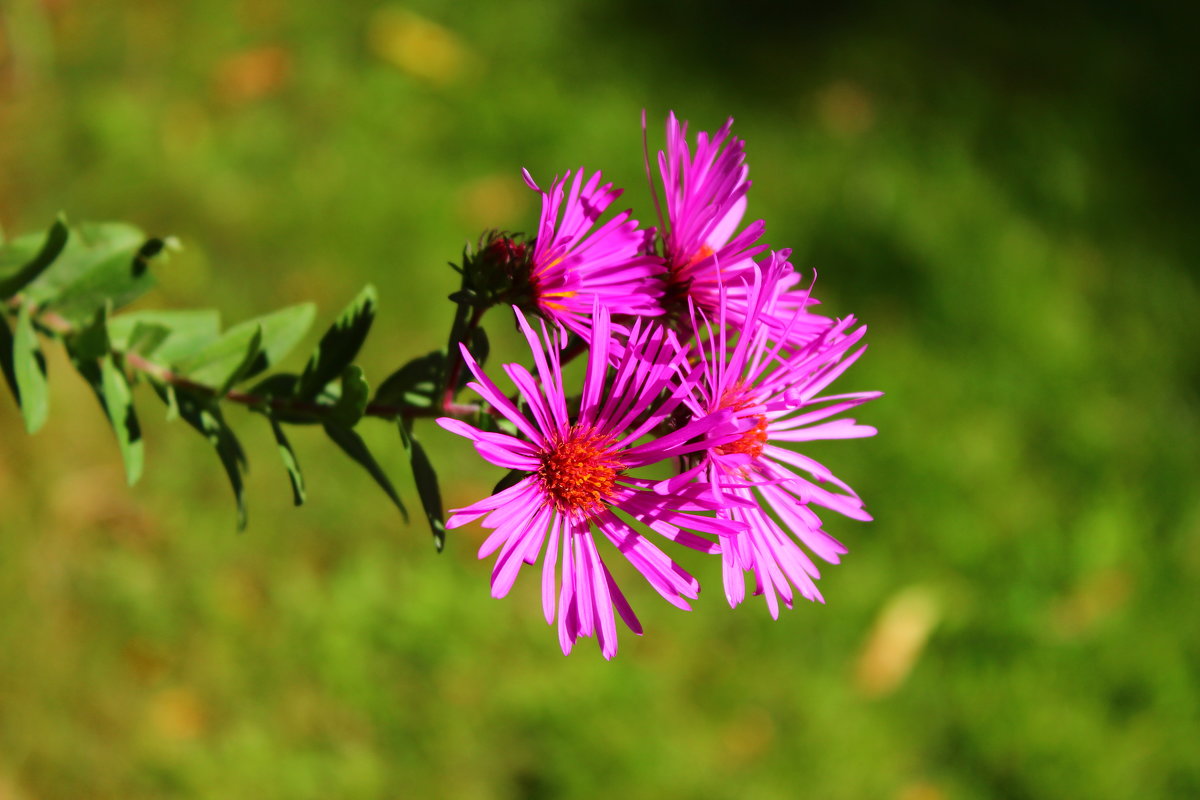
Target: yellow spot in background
10 790
921 790
845 109
495 201
896 641
417 46
178 715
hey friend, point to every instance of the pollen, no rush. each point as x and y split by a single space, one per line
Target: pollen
753 438
751 442
579 472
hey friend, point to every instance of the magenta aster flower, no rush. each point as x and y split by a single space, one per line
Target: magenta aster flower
578 475
709 261
774 392
572 266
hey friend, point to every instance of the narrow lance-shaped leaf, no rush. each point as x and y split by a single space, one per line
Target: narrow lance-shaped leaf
56 240
427 485
118 402
352 445
89 348
203 414
253 353
6 358
290 463
339 345
29 368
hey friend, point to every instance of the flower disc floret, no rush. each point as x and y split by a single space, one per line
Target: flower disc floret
579 471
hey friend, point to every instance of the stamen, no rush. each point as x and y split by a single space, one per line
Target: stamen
579 472
751 442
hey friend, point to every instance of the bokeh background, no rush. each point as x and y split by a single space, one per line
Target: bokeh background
1006 195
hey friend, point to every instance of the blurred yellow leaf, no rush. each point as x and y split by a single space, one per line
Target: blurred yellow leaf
417 46
896 641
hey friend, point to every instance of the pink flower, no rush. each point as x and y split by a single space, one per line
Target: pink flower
774 391
573 266
709 261
577 469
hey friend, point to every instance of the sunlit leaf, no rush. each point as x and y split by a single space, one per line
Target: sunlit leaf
187 333
118 401
290 463
101 264
32 261
222 362
29 368
203 414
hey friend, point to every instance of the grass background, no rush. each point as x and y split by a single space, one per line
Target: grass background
1007 197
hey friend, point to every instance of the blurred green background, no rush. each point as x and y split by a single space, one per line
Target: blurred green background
1003 196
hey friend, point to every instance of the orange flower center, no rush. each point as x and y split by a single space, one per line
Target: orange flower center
751 442
579 472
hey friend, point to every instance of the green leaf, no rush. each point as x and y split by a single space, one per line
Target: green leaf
118 402
220 364
353 445
339 345
101 264
146 338
414 384
203 414
282 331
89 343
427 485
352 402
511 479
480 348
290 462
253 355
90 354
29 368
188 332
32 264
230 359
6 358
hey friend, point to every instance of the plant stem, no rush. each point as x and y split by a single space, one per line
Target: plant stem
61 326
454 359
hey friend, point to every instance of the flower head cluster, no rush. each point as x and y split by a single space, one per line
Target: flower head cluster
703 357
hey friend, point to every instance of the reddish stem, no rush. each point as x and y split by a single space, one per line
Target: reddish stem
63 327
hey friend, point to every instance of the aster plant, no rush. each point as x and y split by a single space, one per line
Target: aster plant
705 370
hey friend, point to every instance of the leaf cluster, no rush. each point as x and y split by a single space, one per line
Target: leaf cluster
70 286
